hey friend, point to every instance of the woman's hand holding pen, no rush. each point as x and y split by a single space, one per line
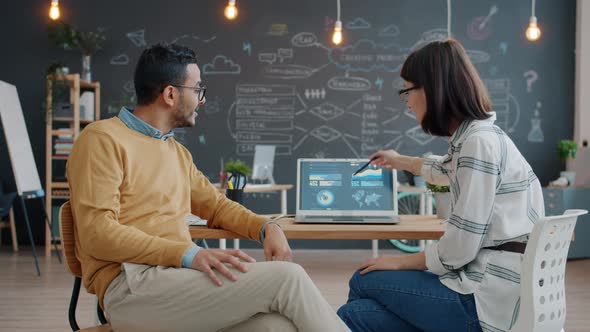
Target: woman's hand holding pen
390 159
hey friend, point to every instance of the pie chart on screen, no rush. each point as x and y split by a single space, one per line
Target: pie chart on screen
325 198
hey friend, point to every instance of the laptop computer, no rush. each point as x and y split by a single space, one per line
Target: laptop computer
328 192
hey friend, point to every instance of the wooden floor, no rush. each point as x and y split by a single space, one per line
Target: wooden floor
30 303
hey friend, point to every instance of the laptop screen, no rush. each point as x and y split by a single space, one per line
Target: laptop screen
331 186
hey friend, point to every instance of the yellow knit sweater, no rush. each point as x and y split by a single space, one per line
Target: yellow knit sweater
130 194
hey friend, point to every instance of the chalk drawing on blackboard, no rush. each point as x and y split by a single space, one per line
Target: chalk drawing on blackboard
300 112
192 37
478 56
247 47
137 37
212 105
366 55
285 53
278 29
301 129
121 59
536 133
288 71
354 104
429 36
221 64
408 112
356 154
205 40
304 39
389 31
418 135
301 100
398 137
379 83
315 94
267 57
300 142
327 111
349 83
321 154
504 103
326 134
503 48
397 115
531 77
202 140
357 24
479 28
129 87
262 113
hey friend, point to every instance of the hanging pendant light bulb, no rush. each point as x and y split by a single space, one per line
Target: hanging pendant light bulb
533 32
54 10
337 35
231 11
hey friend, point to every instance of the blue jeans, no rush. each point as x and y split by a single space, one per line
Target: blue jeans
406 301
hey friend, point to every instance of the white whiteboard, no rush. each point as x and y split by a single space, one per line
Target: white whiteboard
19 146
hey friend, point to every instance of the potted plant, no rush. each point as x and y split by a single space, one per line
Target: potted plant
59 87
442 198
567 149
239 170
237 180
64 35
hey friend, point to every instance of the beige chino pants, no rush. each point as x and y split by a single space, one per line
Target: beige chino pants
271 296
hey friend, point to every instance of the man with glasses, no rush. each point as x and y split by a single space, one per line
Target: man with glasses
132 185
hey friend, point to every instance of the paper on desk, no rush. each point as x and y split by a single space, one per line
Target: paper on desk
193 220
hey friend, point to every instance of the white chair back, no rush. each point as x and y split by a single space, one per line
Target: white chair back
542 295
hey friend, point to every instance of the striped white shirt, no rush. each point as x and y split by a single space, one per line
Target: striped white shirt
496 198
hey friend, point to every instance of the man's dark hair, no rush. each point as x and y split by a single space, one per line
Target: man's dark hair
453 88
158 66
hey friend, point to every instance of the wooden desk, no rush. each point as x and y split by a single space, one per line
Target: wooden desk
411 227
259 188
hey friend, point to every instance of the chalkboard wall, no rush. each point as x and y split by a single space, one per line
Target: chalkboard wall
273 77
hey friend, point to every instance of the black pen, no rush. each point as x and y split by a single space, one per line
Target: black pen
364 166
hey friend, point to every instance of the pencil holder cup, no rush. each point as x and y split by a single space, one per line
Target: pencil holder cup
236 195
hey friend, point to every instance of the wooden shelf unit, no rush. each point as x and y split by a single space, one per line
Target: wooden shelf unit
56 126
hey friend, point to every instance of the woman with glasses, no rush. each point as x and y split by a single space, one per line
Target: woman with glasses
470 279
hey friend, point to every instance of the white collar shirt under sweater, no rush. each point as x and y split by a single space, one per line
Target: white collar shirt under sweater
495 198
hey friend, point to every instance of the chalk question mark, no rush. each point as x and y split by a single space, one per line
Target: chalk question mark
531 77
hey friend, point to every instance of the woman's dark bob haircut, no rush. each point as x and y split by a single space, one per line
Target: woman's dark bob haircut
454 91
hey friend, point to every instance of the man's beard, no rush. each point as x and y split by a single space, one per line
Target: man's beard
183 120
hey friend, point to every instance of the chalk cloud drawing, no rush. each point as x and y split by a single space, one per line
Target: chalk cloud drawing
221 64
357 24
389 31
119 60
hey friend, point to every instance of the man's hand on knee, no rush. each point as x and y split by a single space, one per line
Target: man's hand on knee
208 259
